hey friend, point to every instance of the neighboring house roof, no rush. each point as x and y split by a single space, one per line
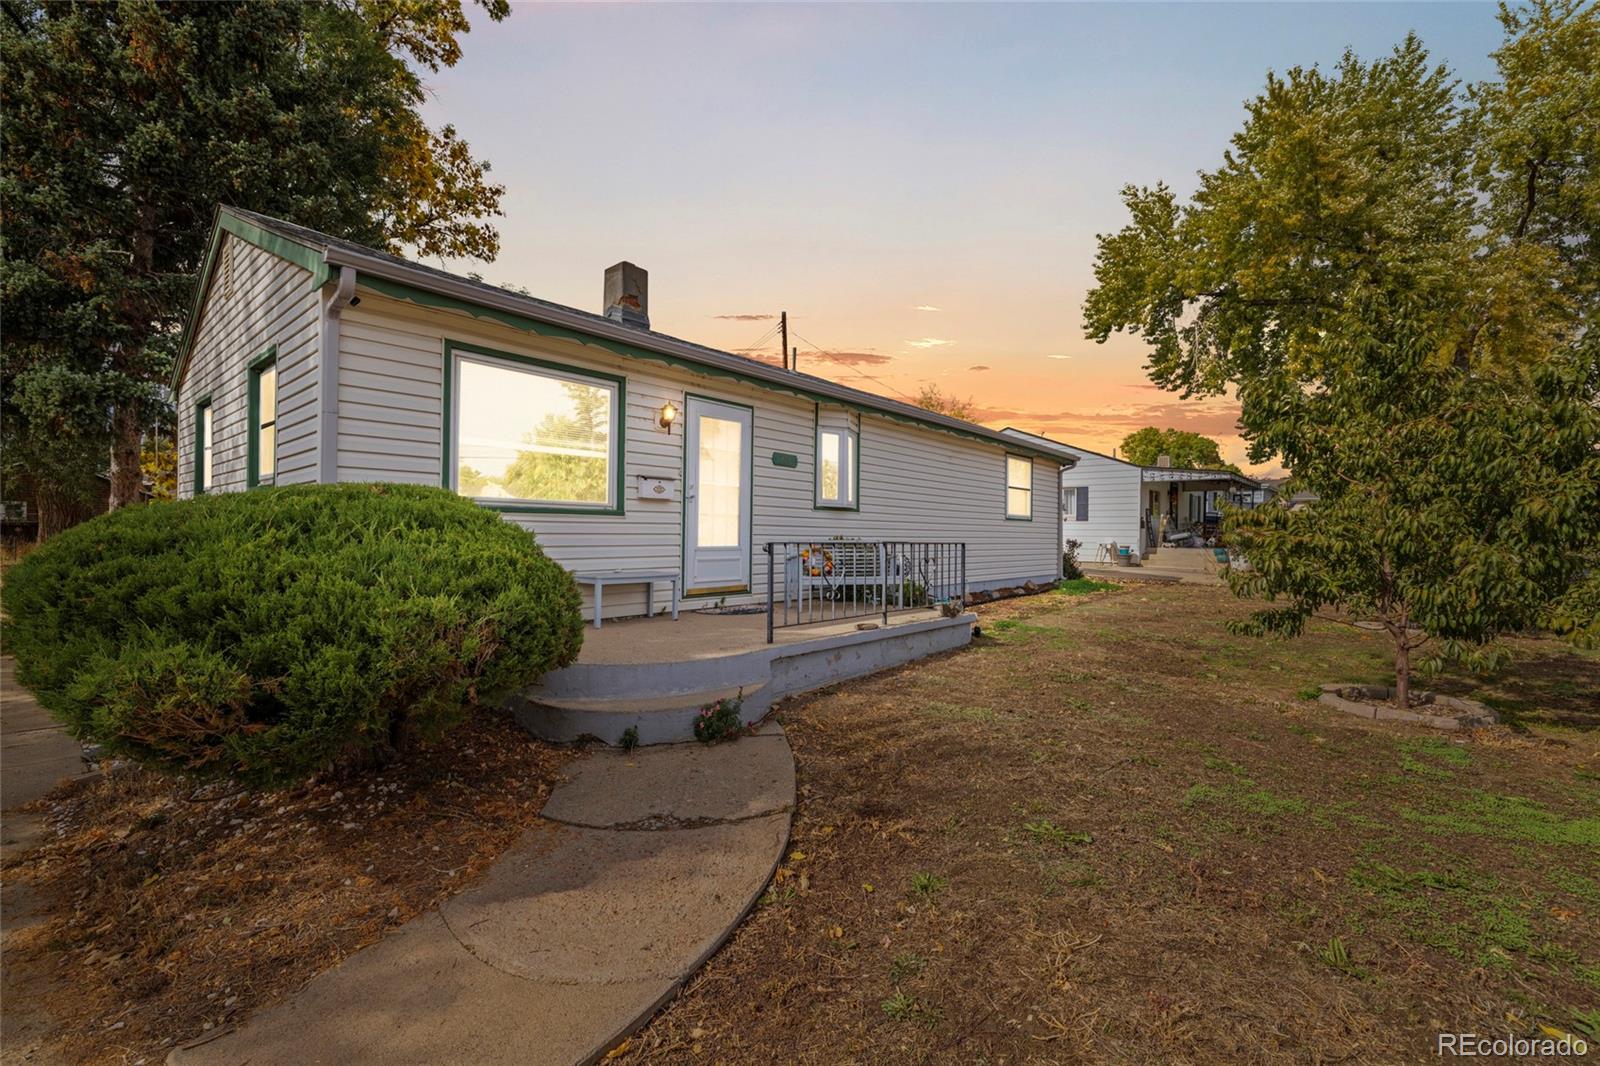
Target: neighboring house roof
1167 473
1150 473
323 255
1068 457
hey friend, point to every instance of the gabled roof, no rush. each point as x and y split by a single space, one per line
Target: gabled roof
324 255
1147 473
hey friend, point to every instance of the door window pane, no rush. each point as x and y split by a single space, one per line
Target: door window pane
719 508
533 434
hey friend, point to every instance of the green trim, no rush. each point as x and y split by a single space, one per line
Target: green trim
619 427
301 255
749 518
817 503
1006 499
785 459
202 404
252 468
398 290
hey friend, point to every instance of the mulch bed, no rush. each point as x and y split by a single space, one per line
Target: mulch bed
175 907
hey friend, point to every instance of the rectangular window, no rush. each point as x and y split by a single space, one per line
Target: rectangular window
1069 503
202 447
525 432
836 468
263 420
1019 487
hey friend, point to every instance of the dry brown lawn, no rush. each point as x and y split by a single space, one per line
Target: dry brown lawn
170 909
1111 832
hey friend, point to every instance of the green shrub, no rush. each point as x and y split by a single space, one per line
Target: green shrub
271 634
1069 560
719 721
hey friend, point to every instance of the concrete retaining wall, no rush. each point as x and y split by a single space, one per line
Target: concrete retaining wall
662 700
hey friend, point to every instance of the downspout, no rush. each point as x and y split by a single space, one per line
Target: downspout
334 301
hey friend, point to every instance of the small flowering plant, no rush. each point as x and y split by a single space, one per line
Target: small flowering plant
719 721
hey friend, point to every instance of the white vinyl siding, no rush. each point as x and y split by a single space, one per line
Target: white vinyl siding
914 484
1112 490
272 304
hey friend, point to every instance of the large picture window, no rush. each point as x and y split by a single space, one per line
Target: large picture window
1019 487
531 433
836 468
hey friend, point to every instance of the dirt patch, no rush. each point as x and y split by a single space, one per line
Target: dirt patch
168 909
1109 831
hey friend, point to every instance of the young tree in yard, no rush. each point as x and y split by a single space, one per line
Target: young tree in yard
1400 280
1188 451
125 124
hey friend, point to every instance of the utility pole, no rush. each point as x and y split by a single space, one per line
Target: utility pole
794 360
783 347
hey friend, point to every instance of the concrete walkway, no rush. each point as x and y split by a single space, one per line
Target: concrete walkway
35 751
641 867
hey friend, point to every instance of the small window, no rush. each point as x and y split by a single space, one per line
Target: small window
1019 487
202 447
836 468
529 433
264 420
1069 503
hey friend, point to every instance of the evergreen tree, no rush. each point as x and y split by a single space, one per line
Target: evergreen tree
122 125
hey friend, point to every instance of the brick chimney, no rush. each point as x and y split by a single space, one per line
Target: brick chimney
628 295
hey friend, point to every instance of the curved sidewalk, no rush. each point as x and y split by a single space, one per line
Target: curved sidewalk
642 866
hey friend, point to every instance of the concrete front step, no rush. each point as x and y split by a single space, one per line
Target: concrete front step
661 701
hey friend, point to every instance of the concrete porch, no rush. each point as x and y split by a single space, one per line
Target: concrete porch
655 674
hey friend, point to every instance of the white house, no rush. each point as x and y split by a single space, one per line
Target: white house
1109 503
308 358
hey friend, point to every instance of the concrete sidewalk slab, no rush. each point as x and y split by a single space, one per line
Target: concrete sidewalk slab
572 940
688 782
36 753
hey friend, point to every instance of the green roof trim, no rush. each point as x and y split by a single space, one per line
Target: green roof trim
301 255
400 290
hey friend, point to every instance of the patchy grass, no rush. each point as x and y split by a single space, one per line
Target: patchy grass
177 908
1150 848
1081 586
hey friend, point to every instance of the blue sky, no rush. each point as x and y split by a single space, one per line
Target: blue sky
852 164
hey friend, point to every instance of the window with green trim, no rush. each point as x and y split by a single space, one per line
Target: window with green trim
263 421
836 467
1019 487
526 433
202 447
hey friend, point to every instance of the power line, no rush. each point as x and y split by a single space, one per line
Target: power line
851 369
764 338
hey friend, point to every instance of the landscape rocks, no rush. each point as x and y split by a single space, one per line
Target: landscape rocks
1427 708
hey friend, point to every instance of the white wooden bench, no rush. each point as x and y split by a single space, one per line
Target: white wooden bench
599 579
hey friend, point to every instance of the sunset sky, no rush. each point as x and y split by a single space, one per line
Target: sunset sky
918 186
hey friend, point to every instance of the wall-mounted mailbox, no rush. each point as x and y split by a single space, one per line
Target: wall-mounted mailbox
655 488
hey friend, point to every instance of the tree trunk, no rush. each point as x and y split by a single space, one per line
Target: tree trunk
57 510
127 432
1402 674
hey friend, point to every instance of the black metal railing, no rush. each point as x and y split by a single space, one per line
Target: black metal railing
811 581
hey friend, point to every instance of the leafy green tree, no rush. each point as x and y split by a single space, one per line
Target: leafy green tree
122 125
1189 451
1398 277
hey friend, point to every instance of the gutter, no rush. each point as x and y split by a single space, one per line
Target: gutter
334 301
784 380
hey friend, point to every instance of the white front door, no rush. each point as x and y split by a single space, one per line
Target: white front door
716 498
